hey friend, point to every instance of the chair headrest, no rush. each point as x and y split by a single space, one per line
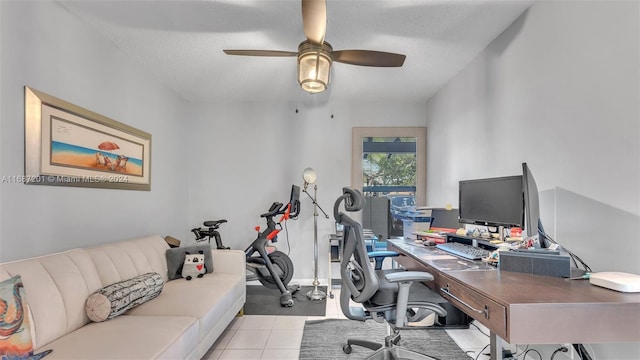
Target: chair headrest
353 199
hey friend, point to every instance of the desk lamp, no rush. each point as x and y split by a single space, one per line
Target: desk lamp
309 176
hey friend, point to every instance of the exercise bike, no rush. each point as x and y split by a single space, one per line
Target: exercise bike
273 270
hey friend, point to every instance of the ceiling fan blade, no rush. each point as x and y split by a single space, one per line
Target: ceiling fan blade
314 20
260 52
368 58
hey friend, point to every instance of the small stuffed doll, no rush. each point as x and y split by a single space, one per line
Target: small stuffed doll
193 266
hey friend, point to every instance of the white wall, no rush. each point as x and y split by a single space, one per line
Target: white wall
559 90
47 48
248 155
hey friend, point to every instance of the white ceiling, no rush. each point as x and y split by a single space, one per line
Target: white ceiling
181 42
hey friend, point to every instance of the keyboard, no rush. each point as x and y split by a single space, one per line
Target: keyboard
465 251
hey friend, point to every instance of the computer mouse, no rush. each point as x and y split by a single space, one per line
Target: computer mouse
429 243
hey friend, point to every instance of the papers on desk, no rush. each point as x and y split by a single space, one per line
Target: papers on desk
437 257
457 264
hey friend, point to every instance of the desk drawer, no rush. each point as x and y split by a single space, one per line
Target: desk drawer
488 312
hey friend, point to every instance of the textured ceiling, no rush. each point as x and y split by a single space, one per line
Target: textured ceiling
181 42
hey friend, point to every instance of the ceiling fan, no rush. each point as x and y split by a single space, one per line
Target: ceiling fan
315 55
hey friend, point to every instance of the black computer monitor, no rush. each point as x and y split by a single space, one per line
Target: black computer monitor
443 218
492 202
533 225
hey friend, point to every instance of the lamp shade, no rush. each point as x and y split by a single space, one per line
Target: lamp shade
314 67
309 175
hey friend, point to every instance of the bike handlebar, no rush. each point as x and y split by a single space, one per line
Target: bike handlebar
275 209
288 211
291 211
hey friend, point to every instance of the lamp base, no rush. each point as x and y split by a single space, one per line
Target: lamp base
316 294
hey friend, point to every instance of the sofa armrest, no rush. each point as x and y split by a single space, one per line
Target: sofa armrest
229 261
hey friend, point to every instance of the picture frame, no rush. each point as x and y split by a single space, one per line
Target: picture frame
67 145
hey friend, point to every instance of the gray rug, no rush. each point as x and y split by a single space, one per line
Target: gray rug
323 339
264 301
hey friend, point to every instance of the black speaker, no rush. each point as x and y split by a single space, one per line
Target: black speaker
535 263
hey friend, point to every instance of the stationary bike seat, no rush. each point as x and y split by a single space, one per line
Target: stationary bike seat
213 223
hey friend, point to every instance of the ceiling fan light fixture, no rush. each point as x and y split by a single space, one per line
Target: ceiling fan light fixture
315 55
314 66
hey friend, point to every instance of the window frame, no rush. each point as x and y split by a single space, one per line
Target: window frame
420 133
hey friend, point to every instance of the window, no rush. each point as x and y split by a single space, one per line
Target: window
391 162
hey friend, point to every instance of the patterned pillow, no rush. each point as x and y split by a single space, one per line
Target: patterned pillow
175 259
15 322
115 299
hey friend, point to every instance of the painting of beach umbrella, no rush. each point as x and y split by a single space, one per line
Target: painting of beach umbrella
108 146
102 159
81 150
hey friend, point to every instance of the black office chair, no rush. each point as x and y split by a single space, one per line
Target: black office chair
394 296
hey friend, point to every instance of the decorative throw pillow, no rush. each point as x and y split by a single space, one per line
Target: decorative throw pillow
115 299
175 259
15 323
193 266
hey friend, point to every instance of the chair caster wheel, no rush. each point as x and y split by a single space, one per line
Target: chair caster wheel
347 349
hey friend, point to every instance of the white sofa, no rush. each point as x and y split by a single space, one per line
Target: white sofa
181 323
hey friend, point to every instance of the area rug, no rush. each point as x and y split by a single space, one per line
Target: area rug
264 301
323 339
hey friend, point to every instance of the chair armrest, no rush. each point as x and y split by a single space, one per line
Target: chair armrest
405 280
382 253
412 276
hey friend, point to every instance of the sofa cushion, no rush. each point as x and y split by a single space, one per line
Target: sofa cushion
175 259
206 299
115 299
130 337
15 333
124 260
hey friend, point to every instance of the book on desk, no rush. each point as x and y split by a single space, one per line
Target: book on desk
430 236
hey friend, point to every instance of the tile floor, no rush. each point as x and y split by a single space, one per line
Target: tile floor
253 337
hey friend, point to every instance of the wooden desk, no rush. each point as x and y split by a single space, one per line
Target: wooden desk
527 309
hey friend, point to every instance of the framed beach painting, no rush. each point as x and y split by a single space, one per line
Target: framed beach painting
71 146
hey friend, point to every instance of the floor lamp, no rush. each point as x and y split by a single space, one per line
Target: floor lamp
309 176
